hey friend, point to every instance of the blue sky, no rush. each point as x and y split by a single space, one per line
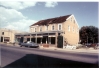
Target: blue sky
20 15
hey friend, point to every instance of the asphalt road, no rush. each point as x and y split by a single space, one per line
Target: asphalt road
22 57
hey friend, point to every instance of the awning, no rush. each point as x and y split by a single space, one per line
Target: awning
52 36
54 31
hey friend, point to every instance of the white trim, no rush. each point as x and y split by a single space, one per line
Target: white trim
58 26
74 19
69 17
52 36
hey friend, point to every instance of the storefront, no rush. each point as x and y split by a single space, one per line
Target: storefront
49 37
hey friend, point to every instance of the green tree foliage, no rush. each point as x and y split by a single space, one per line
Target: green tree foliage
89 34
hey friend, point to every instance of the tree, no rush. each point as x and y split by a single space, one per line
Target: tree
89 34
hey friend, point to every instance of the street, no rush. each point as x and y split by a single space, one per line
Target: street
22 57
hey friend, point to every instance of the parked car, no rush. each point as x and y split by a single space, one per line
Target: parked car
97 46
94 45
28 44
88 44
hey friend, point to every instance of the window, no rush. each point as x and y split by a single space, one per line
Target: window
59 26
73 29
46 27
77 30
68 28
53 27
40 28
31 29
34 29
2 33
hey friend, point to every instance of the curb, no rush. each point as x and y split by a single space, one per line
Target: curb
74 50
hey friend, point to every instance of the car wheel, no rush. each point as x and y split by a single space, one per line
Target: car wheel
38 47
28 46
21 46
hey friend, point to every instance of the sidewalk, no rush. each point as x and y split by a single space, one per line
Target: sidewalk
90 50
8 44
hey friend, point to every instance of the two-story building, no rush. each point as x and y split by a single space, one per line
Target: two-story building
47 31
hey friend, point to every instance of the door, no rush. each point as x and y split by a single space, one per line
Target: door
1 39
60 41
22 38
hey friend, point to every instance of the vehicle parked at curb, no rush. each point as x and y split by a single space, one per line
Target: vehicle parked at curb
97 46
94 45
28 44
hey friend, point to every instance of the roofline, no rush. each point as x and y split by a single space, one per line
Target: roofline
39 32
74 18
50 18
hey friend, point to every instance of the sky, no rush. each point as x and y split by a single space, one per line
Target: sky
19 15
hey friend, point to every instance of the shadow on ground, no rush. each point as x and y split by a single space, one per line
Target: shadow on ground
38 61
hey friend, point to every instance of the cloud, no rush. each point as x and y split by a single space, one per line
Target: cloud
13 19
24 4
51 4
22 25
10 15
18 4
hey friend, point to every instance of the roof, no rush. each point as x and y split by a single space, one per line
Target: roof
52 20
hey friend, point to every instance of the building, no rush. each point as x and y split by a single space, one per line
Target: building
7 35
47 31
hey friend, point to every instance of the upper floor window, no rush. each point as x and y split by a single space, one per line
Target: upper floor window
40 28
2 33
59 26
73 29
34 29
77 30
68 28
53 27
47 27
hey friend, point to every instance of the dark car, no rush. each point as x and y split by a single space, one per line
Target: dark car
29 44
